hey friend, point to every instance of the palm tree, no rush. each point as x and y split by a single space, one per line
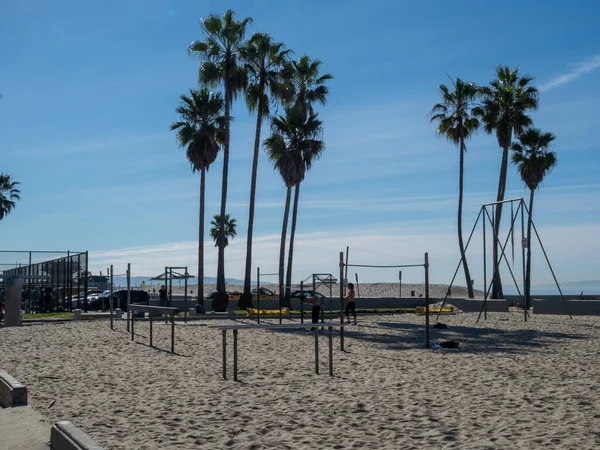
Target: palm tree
308 87
456 123
503 110
293 145
8 194
264 61
220 64
230 229
200 131
534 160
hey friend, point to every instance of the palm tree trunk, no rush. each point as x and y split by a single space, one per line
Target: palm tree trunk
221 289
286 213
497 283
528 267
246 299
201 238
288 280
460 205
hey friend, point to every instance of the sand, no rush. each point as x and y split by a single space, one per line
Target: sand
510 385
363 289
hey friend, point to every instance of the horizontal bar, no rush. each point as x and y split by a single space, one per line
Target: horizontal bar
504 201
366 265
41 251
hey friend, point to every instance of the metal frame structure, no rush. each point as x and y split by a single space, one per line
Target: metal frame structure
425 265
171 274
522 209
63 274
258 295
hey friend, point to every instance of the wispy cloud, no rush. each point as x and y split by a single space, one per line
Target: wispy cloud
579 69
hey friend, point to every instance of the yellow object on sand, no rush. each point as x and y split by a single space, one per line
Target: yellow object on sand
447 309
268 312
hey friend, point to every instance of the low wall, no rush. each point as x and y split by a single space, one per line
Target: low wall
575 307
66 436
12 392
475 305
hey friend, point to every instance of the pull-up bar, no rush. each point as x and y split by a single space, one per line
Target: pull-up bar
425 265
386 267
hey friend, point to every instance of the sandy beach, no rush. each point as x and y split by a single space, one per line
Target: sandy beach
510 384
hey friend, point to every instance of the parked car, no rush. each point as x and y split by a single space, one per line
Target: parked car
308 293
102 302
265 294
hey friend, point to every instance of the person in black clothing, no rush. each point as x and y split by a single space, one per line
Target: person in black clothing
316 308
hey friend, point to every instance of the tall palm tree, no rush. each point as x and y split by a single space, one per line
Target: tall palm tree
503 110
200 130
220 64
308 87
534 160
263 63
293 145
8 194
456 123
230 229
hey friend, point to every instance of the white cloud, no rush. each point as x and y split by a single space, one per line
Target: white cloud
578 70
392 243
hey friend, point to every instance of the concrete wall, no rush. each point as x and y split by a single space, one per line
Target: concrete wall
575 307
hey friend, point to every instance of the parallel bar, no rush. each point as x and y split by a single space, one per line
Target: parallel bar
235 355
224 354
503 201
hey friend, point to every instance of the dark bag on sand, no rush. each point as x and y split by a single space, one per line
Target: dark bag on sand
449 344
441 326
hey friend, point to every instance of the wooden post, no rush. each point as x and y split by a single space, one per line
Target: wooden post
342 300
316 350
426 300
235 355
224 354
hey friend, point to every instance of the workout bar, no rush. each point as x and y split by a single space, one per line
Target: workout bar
386 267
503 201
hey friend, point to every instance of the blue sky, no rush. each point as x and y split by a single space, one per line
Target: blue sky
89 91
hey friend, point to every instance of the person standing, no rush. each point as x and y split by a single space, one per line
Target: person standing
316 308
350 306
162 296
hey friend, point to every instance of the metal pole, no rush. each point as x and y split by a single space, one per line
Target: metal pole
172 332
342 300
426 300
346 268
316 350
258 295
150 316
128 292
523 250
331 351
551 270
357 286
29 273
224 354
185 295
85 283
302 301
399 284
235 355
485 292
132 321
111 300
